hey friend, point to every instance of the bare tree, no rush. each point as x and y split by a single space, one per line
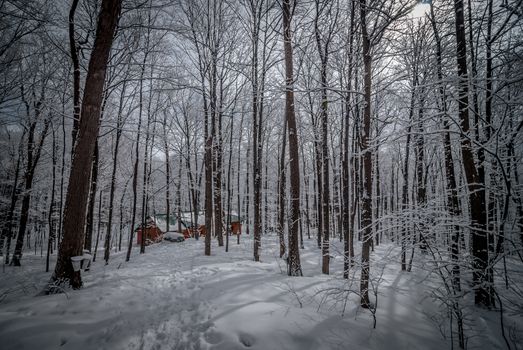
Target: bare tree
329 10
78 189
476 189
367 157
33 152
288 7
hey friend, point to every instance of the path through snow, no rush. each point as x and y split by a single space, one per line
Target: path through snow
174 297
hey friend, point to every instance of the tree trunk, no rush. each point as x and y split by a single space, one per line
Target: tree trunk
294 250
451 190
247 190
145 177
493 192
256 122
377 229
319 192
238 172
345 160
167 175
121 214
323 50
229 191
405 189
78 189
476 190
99 226
113 174
208 187
282 184
89 225
367 160
137 154
33 155
306 194
50 219
76 74
7 228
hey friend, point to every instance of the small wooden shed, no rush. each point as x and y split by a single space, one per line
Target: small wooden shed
152 233
236 228
191 227
236 224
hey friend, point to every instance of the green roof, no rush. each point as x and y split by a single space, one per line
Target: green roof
186 220
161 221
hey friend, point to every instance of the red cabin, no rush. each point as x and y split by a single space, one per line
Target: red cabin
152 233
189 232
191 227
236 228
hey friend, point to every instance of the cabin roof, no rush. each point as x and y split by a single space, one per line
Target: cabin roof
186 218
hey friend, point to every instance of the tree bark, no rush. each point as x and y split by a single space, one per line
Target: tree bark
367 160
256 147
282 184
76 73
98 226
137 153
167 175
78 188
405 189
294 250
452 190
476 190
229 190
122 214
208 187
7 229
323 50
89 225
218 158
119 120
50 220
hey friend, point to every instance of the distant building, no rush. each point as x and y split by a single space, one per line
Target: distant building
151 232
189 223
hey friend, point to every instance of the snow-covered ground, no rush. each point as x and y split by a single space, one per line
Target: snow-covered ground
174 297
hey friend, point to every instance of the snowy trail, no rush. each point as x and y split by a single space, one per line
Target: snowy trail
173 297
149 303
271 311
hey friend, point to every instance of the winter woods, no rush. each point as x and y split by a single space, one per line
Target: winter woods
366 122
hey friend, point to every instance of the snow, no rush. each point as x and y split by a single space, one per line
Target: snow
161 223
174 297
187 218
173 236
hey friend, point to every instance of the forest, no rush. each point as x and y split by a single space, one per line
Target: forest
266 174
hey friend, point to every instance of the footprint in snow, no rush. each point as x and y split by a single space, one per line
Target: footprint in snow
246 339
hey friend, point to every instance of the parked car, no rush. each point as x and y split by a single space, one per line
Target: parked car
173 237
